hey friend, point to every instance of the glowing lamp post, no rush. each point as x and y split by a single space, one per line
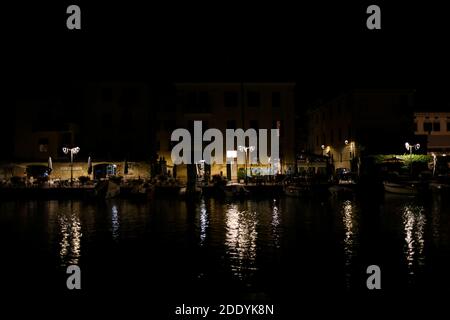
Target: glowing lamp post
72 151
246 149
410 148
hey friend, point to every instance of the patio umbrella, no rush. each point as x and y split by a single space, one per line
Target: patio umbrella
125 170
50 164
89 166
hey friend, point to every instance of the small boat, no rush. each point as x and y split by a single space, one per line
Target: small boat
346 185
192 193
297 190
410 188
142 191
440 185
107 189
236 190
304 186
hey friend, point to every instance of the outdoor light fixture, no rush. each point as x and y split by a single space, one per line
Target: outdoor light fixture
346 141
72 152
246 149
410 147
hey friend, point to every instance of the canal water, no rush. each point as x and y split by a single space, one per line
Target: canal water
169 252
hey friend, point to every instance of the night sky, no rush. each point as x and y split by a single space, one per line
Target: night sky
318 45
324 48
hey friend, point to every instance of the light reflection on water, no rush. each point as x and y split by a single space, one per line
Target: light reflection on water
276 221
244 239
204 222
414 222
70 231
115 223
349 219
240 241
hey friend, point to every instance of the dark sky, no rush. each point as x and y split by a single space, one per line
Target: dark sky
321 45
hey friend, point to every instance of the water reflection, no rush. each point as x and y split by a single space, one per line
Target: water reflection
276 220
70 244
436 219
414 222
203 222
115 223
350 240
241 235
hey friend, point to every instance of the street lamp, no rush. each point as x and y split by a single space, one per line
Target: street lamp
246 149
72 152
410 147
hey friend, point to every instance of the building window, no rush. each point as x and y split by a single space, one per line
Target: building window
427 126
129 97
197 103
107 94
404 101
448 126
415 127
203 102
107 121
231 124
254 125
276 99
191 101
43 145
253 99
230 99
436 126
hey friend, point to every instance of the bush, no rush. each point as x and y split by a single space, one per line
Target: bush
241 174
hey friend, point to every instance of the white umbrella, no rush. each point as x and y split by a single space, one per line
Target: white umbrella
89 166
50 163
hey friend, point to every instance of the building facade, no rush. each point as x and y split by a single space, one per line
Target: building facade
435 127
360 122
231 106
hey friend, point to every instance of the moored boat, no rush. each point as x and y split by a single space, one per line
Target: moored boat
236 190
410 188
